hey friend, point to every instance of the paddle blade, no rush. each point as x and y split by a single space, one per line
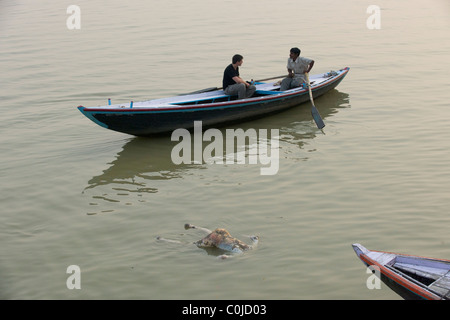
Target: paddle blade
317 118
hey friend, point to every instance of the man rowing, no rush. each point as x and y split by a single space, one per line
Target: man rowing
297 67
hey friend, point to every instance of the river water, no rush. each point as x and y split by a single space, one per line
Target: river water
76 194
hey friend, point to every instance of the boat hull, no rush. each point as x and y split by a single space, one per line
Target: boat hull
411 277
148 121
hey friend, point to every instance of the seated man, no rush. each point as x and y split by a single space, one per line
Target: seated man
297 66
233 84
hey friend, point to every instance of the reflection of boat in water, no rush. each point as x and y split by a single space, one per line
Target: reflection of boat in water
146 162
141 160
297 122
135 172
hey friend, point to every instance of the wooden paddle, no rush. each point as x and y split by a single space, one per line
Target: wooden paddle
272 78
314 112
217 88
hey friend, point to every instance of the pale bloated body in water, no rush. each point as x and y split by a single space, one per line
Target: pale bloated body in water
219 238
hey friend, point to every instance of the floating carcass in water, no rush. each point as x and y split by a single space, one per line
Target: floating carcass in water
218 238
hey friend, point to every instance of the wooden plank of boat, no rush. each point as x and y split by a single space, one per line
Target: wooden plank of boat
214 108
412 277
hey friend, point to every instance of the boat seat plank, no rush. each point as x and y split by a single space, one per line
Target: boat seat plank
382 257
267 92
267 86
442 285
429 272
219 95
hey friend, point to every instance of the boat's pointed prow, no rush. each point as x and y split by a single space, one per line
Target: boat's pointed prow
92 117
412 277
360 249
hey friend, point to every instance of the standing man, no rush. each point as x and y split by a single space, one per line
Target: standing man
297 66
233 84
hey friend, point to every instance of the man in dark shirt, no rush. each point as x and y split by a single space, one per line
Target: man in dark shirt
233 84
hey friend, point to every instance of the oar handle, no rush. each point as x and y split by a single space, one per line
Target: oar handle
219 88
271 78
309 87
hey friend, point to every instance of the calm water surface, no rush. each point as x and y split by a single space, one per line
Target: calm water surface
73 193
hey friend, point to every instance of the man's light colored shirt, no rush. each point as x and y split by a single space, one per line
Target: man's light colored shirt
299 66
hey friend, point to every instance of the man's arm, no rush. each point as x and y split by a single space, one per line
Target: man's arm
239 80
291 74
310 66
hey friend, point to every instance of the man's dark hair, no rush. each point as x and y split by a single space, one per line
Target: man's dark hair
237 58
295 50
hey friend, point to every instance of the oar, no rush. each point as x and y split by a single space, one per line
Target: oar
217 88
315 113
271 78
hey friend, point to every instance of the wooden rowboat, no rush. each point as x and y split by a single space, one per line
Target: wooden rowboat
213 107
412 277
